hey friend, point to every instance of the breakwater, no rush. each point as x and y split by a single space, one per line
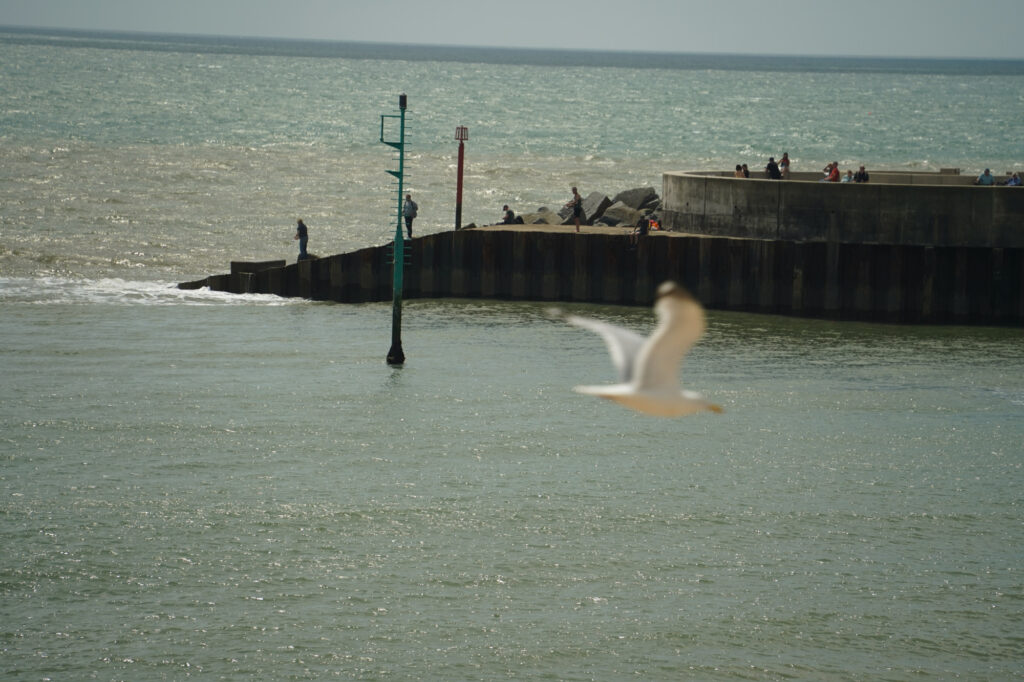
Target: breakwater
902 283
926 209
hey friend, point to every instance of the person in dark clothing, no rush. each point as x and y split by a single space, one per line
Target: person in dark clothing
772 169
302 234
409 210
643 226
576 203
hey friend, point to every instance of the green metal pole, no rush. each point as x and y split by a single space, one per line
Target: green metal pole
396 356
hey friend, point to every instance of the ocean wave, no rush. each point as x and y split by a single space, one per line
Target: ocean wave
116 291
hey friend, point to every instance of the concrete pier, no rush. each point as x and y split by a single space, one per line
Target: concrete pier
904 283
925 209
907 248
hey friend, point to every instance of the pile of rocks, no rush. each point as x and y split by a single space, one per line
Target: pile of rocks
624 210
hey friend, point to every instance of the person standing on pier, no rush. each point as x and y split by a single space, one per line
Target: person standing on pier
409 211
576 203
784 165
302 234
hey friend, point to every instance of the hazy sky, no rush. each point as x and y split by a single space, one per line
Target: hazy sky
903 28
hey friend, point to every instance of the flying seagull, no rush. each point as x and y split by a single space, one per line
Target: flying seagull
649 368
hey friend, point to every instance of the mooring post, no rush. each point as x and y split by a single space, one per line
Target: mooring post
461 134
395 354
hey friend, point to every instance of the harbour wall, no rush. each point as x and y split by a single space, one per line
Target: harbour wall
895 208
901 283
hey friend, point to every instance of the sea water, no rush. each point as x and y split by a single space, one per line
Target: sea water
195 484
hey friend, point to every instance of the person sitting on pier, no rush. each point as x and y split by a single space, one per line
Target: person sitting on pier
508 216
643 226
576 203
986 178
848 177
861 175
739 172
1014 180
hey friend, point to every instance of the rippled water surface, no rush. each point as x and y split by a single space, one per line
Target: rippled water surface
148 160
242 488
194 484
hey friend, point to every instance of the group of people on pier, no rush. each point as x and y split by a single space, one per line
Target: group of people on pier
832 174
987 179
779 170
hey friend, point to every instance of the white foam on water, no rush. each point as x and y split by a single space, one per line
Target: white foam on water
64 291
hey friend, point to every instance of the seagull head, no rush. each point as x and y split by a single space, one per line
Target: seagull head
671 289
671 297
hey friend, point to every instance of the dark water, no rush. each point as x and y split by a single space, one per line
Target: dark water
240 488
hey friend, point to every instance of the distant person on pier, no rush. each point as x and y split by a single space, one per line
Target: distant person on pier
576 203
848 177
986 178
409 211
861 175
643 226
831 172
772 169
1014 180
746 171
302 234
739 172
508 216
784 165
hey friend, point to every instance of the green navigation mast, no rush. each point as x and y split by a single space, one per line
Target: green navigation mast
395 354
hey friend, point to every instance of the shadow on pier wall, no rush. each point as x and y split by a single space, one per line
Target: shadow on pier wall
879 282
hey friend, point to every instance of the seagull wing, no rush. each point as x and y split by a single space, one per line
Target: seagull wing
623 345
680 324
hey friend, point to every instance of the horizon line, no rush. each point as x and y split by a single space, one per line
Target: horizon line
128 33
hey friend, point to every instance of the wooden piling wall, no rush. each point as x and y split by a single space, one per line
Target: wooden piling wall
881 282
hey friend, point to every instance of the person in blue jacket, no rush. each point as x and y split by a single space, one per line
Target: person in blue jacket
302 234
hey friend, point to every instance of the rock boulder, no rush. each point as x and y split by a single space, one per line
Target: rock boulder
542 216
620 213
637 199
